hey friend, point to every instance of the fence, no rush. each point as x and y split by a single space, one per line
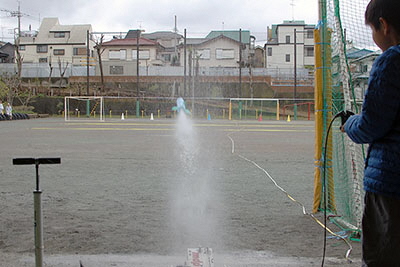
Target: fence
42 70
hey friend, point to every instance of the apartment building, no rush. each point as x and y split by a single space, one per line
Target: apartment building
290 42
55 42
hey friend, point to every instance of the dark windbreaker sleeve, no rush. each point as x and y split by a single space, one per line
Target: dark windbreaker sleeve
381 102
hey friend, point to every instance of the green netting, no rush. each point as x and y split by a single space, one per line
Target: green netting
350 35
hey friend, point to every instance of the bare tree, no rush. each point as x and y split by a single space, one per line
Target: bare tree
99 49
50 72
9 86
62 69
25 96
18 59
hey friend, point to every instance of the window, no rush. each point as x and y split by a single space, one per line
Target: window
143 54
287 57
22 48
364 68
41 48
59 34
166 57
288 39
270 51
116 69
117 54
203 54
224 54
310 34
59 52
79 51
43 60
309 51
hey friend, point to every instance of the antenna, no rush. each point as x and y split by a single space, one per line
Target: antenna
17 14
176 33
293 5
140 24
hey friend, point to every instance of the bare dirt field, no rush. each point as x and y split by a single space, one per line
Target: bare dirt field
140 192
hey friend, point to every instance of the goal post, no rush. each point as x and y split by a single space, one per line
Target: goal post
90 108
253 108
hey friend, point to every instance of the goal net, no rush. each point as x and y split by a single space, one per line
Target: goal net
346 60
253 108
84 108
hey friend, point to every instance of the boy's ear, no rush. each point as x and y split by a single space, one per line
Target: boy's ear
384 26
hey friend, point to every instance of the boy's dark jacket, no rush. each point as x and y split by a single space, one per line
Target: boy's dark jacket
378 124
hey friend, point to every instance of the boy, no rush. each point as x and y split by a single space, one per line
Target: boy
378 125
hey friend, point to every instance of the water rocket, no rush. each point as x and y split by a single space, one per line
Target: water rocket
180 105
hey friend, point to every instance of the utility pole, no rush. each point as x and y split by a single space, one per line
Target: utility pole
295 66
137 73
184 62
176 38
87 62
17 36
240 64
19 19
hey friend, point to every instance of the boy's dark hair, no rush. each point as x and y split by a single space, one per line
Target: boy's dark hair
386 9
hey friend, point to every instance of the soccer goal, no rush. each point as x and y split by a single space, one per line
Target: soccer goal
84 108
253 108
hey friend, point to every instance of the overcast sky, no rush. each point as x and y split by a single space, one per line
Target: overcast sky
199 17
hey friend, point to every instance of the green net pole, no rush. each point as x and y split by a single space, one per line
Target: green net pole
240 109
137 108
88 108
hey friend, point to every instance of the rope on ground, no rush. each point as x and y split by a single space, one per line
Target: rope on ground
294 200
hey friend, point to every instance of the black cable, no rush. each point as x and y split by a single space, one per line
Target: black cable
344 115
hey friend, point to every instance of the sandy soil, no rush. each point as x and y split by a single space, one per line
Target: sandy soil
140 192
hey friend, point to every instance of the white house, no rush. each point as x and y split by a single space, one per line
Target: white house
170 42
289 42
218 49
361 61
119 55
54 42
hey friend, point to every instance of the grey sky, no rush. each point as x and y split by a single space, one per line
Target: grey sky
199 17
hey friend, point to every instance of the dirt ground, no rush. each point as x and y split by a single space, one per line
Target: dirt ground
140 192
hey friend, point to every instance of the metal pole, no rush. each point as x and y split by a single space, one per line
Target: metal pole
137 73
193 70
295 76
87 62
240 64
37 204
184 63
295 66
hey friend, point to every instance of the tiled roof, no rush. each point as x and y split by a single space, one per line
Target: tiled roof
358 53
161 35
235 35
129 42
